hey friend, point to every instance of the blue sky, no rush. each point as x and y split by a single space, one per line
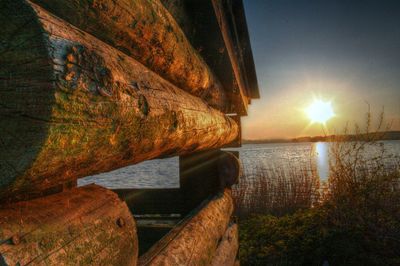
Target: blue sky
346 52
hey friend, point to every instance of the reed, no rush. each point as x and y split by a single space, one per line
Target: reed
276 190
287 219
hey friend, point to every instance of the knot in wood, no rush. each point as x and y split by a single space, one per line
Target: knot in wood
120 222
174 118
73 60
15 239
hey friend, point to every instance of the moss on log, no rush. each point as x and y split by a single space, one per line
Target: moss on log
72 106
146 31
227 248
195 241
84 226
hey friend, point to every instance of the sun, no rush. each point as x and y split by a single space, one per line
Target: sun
320 111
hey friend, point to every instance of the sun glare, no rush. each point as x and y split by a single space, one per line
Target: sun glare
320 111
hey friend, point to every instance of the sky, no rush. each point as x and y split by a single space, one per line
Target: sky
343 52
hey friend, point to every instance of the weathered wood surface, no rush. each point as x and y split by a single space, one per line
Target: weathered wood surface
84 226
72 106
201 26
238 141
227 248
146 31
195 241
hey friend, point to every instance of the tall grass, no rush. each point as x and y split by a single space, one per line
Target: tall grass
364 191
277 191
355 221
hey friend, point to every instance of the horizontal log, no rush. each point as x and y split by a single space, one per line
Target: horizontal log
195 240
146 31
73 106
227 248
84 226
200 25
152 201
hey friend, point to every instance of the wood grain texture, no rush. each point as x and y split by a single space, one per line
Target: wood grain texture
226 252
195 241
146 31
84 226
72 106
201 26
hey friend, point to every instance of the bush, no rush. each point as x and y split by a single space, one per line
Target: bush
295 239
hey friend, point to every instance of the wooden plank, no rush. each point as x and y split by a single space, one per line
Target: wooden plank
152 201
195 241
229 32
227 248
245 46
200 24
86 225
146 31
74 106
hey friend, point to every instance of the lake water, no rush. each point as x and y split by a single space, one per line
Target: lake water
164 173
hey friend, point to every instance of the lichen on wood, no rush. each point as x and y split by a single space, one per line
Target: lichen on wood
84 226
72 106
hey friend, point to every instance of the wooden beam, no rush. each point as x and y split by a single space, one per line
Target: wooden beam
195 241
227 248
205 173
245 46
146 31
228 29
152 201
200 24
84 226
198 177
73 106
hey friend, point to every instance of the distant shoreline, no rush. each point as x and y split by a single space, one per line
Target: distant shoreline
389 135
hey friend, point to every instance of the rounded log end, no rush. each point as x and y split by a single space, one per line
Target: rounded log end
25 91
229 170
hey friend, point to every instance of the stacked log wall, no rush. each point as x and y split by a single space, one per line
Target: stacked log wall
146 31
72 106
75 101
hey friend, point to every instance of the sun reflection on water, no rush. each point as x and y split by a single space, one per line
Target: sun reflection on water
322 159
